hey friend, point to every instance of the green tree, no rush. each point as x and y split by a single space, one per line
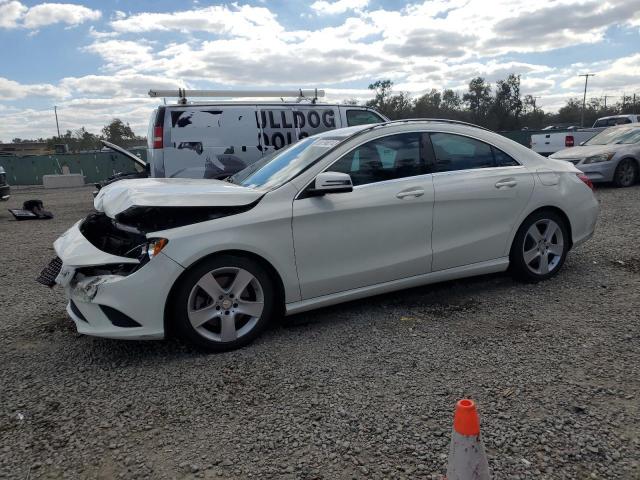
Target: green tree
117 131
478 98
451 101
429 104
507 104
382 89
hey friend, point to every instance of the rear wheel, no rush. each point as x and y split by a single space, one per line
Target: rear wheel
223 303
540 247
626 173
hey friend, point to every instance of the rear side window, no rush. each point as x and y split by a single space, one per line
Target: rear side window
362 117
456 152
619 121
502 159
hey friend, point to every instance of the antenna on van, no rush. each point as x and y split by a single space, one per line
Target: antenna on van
182 94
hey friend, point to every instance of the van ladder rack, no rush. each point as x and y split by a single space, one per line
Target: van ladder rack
182 94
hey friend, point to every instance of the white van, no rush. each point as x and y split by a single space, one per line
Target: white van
215 140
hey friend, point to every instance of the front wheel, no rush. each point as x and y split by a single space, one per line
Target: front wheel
223 303
539 247
626 173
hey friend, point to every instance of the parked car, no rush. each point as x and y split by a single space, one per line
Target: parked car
560 126
341 215
140 167
215 140
549 143
614 120
613 155
5 189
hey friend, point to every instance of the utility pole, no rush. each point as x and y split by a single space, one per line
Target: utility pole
584 99
55 110
605 100
634 103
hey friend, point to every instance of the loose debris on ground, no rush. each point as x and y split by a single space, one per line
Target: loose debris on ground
361 390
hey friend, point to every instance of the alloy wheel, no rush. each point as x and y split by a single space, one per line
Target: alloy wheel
225 304
625 173
543 246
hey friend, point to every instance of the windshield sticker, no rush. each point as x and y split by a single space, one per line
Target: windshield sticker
324 143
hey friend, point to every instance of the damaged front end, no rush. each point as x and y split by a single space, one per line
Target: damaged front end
113 264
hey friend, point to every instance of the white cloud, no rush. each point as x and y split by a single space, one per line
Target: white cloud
616 76
122 53
118 86
50 13
424 45
11 13
14 14
324 7
12 90
242 21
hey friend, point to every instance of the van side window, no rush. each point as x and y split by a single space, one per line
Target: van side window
386 158
362 117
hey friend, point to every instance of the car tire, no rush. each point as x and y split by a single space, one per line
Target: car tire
540 247
223 303
626 173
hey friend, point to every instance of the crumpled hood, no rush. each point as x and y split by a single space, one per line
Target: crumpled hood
584 151
171 192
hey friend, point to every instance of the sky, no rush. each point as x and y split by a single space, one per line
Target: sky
96 60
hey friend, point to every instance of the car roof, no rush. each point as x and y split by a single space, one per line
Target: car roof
617 116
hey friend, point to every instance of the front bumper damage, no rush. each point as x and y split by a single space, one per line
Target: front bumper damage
124 305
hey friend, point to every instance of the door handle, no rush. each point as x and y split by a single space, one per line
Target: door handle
410 193
509 183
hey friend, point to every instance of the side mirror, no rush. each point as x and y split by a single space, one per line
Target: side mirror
330 182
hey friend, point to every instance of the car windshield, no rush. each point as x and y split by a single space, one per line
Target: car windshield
616 135
276 169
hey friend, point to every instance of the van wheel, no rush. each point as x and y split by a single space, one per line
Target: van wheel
626 173
223 303
540 247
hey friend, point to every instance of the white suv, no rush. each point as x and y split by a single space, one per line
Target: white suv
342 215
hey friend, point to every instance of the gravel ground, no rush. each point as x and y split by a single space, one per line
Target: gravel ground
362 390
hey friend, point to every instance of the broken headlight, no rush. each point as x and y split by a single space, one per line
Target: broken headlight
154 247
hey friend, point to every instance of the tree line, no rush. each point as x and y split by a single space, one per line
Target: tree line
499 107
116 131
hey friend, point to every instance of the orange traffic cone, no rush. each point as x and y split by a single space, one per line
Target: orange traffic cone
467 459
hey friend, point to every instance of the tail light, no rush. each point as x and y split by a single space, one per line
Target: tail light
587 181
157 137
568 141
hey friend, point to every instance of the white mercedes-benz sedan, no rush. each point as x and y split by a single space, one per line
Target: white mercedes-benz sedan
338 216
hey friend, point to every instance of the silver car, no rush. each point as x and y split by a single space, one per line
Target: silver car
612 155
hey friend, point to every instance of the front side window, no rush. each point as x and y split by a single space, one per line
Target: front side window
362 117
386 158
